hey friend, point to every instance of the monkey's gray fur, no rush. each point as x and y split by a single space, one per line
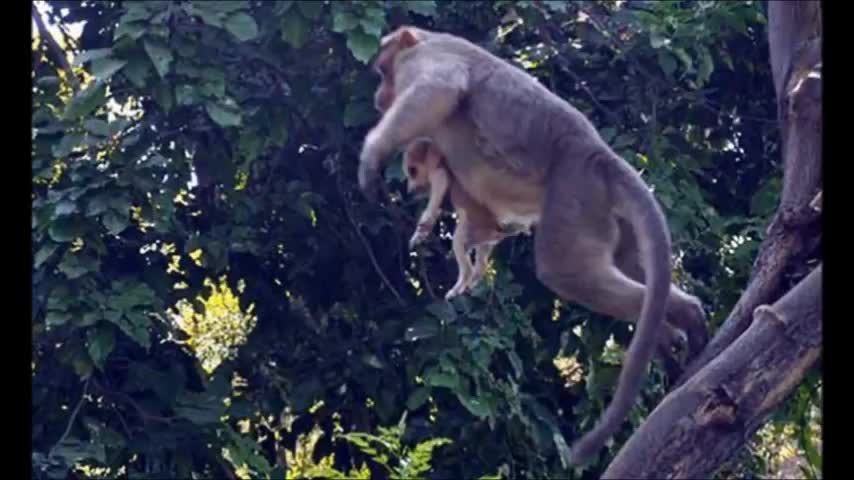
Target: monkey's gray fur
531 158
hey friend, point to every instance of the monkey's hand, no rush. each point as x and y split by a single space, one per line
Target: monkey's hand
370 160
369 179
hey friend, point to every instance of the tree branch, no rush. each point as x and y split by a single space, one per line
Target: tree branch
761 353
71 418
801 132
699 425
44 33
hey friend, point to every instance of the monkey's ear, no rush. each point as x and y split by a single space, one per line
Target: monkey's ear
407 38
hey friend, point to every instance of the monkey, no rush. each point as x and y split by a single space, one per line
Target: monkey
477 228
530 157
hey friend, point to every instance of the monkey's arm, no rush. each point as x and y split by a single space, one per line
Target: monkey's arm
439 182
420 108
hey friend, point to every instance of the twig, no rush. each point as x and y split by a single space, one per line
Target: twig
73 416
422 269
564 66
367 245
56 49
143 414
225 468
123 422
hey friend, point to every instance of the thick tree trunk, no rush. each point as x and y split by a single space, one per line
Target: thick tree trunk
701 424
745 373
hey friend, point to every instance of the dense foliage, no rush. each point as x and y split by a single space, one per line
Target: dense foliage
212 296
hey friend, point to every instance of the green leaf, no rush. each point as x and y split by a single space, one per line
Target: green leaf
132 30
372 360
557 5
101 343
105 68
360 112
64 208
163 95
214 86
421 7
362 45
90 55
86 101
137 71
417 398
667 63
707 66
115 222
75 265
64 230
684 58
242 26
516 362
282 6
444 311
608 134
294 30
134 325
97 205
442 379
72 451
223 115
82 365
343 21
67 144
310 8
477 407
98 127
765 200
210 16
183 67
656 40
187 95
44 254
135 12
159 54
421 329
224 6
200 408
51 81
373 25
562 448
89 319
56 318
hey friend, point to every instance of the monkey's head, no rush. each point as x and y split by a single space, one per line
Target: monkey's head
390 46
419 159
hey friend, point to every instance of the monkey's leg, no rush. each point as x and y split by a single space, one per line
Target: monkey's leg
684 311
575 243
461 254
439 182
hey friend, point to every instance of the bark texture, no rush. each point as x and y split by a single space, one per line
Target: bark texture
772 338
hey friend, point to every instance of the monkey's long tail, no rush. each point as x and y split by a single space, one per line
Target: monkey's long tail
639 206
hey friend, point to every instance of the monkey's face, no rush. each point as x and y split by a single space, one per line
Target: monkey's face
384 65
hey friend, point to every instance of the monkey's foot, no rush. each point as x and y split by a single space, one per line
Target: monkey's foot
474 280
458 288
691 318
421 232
